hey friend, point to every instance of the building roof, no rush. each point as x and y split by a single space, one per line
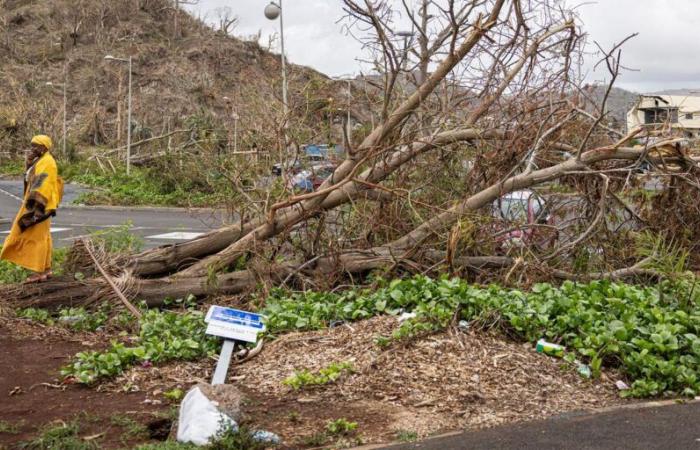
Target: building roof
685 103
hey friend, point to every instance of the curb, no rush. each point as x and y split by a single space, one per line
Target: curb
119 208
581 413
139 208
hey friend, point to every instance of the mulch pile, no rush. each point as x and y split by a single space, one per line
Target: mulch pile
445 381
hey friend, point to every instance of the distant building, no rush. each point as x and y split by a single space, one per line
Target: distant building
679 113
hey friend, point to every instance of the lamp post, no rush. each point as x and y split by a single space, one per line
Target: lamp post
272 12
65 102
406 35
128 125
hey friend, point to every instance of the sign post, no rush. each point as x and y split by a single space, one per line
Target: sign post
232 325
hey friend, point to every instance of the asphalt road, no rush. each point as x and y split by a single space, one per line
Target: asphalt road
664 427
157 226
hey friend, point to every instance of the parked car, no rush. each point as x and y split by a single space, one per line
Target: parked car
310 154
291 167
309 180
517 215
322 152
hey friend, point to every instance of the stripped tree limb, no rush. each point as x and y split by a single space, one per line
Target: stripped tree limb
135 312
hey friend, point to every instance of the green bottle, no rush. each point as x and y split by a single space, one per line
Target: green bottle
550 349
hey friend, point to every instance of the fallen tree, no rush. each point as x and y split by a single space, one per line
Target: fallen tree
447 145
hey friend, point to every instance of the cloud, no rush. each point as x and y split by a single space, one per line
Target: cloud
312 32
663 54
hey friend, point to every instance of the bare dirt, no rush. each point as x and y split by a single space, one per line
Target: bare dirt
33 398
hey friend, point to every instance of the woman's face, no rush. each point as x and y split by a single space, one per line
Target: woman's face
35 151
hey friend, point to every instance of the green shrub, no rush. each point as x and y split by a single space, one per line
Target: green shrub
406 436
143 186
236 439
118 239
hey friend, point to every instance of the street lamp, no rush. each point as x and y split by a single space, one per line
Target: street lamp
406 35
65 102
128 127
272 12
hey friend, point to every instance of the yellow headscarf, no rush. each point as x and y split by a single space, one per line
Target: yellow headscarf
44 140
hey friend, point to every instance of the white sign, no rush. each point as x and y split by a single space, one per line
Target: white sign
234 324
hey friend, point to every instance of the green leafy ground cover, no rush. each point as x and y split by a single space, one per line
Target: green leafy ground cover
67 436
11 273
650 334
163 336
77 319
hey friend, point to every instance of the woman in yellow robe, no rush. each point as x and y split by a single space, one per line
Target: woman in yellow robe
29 242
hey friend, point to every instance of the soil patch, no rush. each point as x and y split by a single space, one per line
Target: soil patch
33 397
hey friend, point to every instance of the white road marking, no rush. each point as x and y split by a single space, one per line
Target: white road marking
177 236
98 227
53 230
11 195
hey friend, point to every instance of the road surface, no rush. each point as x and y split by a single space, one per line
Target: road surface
663 427
157 226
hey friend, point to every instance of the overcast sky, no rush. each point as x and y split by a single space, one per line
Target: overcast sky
663 55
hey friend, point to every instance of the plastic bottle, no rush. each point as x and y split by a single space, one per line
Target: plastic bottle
550 349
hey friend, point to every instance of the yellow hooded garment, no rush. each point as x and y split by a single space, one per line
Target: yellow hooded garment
44 140
43 190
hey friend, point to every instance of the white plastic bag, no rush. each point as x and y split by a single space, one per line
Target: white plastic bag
200 419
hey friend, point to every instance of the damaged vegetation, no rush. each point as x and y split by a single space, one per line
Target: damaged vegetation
649 334
483 202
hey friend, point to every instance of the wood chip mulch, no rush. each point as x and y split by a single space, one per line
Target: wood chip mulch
445 381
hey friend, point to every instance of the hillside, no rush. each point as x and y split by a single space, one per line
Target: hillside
619 102
685 91
182 73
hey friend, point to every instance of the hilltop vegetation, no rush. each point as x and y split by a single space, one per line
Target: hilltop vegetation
185 76
192 87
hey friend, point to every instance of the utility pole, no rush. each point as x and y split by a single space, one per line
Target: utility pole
272 12
64 86
128 125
